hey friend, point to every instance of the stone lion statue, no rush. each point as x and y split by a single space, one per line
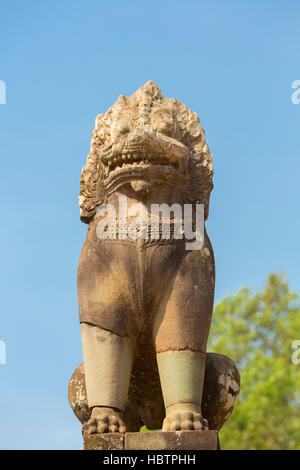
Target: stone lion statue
145 302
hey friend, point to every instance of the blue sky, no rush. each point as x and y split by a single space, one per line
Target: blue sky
63 62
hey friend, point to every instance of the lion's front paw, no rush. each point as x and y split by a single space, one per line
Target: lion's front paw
104 420
184 418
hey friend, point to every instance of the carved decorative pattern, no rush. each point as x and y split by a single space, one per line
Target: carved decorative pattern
167 129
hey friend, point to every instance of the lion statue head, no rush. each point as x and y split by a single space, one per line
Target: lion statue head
142 139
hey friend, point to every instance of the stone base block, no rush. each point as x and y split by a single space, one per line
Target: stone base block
180 440
106 441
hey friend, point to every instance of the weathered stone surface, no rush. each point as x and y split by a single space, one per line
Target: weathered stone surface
221 389
106 441
180 440
77 395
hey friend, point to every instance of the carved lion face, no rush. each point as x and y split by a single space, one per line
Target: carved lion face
146 137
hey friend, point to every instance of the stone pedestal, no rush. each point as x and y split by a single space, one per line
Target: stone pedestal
180 440
106 441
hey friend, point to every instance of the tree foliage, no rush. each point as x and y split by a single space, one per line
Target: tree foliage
257 332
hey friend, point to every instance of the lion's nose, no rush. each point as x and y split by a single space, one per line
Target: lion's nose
140 134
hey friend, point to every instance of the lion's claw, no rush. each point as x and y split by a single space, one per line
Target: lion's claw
104 420
184 421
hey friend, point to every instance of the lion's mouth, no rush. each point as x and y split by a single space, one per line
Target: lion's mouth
144 154
134 161
128 167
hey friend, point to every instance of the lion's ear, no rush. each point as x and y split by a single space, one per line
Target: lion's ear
86 219
89 193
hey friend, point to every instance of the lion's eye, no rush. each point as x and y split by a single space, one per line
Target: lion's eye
119 128
194 129
165 127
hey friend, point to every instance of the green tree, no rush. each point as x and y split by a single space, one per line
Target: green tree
257 332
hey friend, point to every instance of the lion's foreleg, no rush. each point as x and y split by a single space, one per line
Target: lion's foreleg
108 362
182 376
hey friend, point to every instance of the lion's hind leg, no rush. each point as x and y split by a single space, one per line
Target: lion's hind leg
145 394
